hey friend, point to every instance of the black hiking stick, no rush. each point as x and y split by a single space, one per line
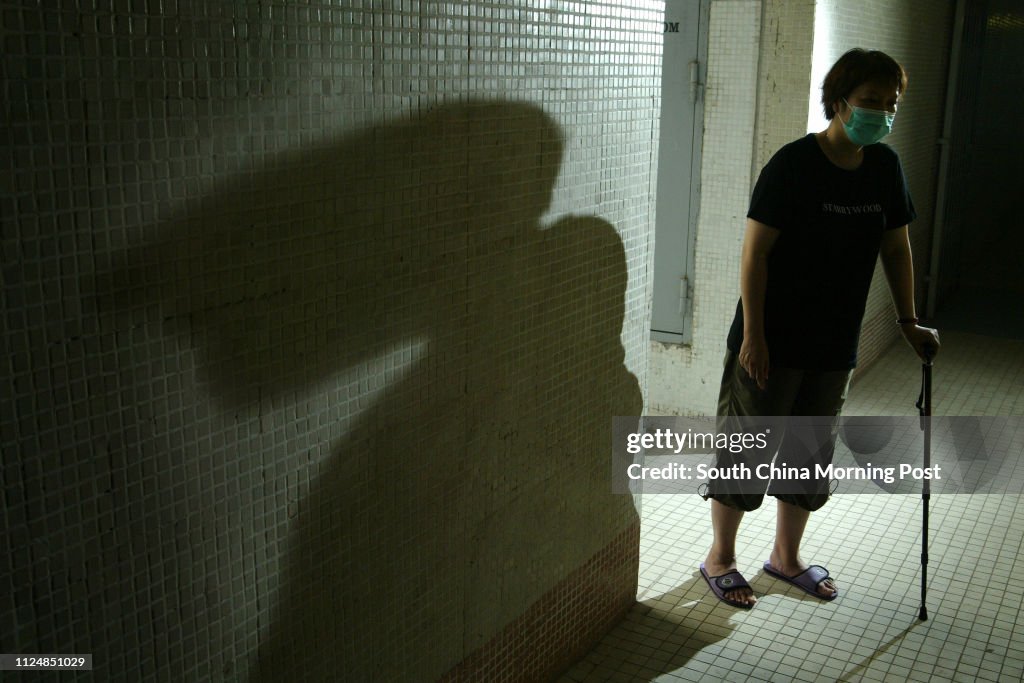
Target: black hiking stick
924 407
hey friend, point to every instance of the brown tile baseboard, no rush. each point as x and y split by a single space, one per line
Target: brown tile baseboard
564 624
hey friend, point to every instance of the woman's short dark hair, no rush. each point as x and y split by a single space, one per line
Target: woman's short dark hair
859 66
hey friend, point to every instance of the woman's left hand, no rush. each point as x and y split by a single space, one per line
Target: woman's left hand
925 341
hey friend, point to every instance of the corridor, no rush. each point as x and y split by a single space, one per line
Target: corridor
678 631
318 317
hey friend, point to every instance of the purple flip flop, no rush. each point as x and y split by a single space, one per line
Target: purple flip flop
807 580
726 582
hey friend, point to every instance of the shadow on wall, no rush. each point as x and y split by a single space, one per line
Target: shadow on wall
468 479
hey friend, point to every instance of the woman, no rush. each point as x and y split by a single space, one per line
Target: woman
823 209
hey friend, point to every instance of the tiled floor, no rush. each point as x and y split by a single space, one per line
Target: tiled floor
871 543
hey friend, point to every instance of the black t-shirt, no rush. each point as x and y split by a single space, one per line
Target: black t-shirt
819 271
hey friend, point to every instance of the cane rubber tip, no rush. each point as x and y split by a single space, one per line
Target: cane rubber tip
923 616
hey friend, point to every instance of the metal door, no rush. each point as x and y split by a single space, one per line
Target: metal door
683 73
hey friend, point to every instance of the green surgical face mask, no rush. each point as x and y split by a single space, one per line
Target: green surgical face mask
867 126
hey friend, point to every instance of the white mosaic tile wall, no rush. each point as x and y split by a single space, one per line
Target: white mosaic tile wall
792 38
787 52
294 380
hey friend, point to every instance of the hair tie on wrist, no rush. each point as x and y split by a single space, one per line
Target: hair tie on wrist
907 321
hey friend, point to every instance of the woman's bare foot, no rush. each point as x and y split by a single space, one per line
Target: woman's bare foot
716 566
793 566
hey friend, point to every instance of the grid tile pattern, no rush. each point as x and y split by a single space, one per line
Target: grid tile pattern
314 317
872 545
538 645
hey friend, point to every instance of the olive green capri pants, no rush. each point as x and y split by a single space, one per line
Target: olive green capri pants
787 392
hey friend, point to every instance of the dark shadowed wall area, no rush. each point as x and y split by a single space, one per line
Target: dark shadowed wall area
978 264
315 317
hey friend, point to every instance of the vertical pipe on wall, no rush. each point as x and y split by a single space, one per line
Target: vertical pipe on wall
947 131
